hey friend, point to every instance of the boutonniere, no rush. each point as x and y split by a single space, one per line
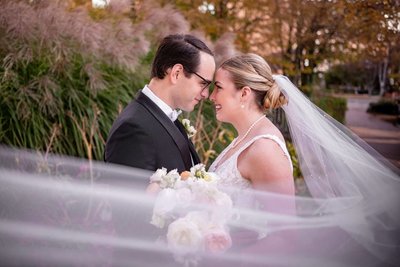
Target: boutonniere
190 130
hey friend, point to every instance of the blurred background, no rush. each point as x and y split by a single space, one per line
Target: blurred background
69 67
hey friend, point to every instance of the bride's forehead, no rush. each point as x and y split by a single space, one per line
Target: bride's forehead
223 74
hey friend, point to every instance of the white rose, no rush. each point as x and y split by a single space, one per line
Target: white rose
202 190
200 218
184 235
184 196
165 203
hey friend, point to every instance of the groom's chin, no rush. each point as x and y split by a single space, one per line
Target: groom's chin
190 108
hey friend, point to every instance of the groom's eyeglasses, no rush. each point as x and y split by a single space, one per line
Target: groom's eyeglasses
205 82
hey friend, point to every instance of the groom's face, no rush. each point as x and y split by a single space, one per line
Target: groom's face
195 88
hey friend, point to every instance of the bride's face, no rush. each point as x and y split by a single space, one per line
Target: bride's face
225 96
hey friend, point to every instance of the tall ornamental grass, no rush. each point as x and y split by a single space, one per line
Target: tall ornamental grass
64 77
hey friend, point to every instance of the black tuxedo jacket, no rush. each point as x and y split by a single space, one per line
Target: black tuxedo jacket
144 137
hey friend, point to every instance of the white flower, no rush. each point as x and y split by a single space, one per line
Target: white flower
184 196
200 218
169 179
199 171
184 235
190 130
192 207
158 175
165 203
198 168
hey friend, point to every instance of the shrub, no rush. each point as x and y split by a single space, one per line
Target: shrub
296 168
334 106
384 107
307 90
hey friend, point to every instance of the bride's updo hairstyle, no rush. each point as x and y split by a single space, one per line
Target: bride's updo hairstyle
253 71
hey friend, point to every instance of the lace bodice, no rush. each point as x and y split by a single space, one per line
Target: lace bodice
228 171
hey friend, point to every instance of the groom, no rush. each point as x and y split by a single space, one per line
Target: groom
147 134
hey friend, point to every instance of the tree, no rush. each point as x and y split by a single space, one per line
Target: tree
297 36
373 31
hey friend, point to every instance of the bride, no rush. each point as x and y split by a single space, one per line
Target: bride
257 158
341 171
59 211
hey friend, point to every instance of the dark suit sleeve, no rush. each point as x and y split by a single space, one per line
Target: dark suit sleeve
131 145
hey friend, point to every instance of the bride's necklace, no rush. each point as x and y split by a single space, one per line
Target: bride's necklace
247 132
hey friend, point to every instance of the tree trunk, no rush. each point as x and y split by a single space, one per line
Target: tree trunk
382 73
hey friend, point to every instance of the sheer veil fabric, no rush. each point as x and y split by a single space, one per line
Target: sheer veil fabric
360 187
62 211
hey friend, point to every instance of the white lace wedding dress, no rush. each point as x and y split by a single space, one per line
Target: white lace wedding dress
228 171
231 178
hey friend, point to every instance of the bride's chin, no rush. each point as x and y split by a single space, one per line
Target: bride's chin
219 117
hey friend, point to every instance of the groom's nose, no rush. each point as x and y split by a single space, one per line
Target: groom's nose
205 93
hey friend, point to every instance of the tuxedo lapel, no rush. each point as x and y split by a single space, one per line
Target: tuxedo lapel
169 126
181 128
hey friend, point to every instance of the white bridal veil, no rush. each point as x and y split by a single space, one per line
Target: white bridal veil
60 211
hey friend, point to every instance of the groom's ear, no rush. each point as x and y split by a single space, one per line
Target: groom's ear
176 70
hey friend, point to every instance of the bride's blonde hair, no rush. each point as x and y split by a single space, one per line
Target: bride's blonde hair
253 71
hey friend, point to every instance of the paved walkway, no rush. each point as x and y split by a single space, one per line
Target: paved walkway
376 130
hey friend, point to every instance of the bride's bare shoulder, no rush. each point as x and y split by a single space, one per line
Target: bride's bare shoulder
264 154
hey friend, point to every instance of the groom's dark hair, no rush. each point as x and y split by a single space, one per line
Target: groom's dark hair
178 49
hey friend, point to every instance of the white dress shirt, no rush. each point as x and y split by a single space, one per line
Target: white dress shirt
171 113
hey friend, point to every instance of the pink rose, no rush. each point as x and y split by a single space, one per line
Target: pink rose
217 240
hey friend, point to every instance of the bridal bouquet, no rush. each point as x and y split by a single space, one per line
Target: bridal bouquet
193 210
